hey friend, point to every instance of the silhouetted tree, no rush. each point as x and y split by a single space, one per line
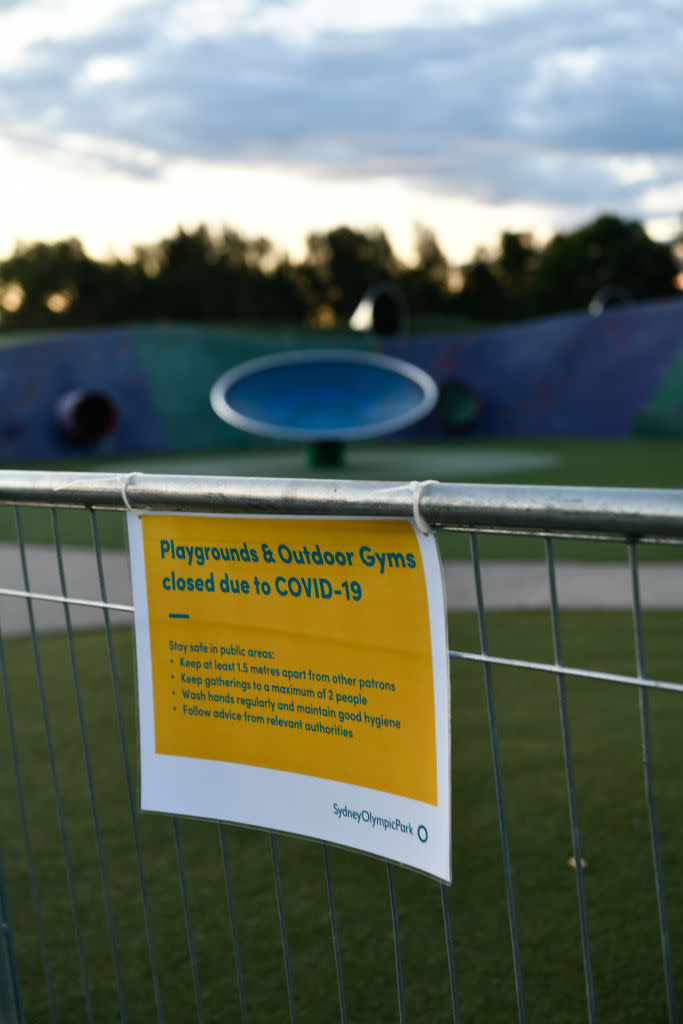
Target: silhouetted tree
517 267
482 294
343 263
52 277
226 277
425 284
607 251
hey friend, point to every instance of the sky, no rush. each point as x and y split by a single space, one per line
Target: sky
122 120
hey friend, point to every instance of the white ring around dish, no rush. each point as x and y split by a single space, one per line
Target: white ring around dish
221 405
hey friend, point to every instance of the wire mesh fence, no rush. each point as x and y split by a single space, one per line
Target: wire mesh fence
567 902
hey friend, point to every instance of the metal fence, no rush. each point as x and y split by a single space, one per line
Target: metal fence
567 900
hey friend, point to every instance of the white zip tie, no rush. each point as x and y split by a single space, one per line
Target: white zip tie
125 480
417 487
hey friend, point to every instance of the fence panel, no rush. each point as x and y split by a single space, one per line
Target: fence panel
567 899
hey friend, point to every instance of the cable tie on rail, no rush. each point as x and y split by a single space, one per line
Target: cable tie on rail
417 487
125 480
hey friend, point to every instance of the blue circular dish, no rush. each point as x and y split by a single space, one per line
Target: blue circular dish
324 394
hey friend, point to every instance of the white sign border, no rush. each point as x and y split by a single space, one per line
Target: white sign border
396 828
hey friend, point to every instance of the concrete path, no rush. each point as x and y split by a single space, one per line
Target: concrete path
506 585
82 582
510 585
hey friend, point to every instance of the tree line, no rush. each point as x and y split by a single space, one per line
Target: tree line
227 278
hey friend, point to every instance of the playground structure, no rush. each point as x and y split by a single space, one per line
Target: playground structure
382 310
571 375
324 398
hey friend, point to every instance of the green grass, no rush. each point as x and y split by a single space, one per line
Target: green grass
606 749
585 462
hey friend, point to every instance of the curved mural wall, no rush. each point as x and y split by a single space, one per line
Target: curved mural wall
570 375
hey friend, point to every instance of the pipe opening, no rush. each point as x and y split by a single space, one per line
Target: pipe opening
85 417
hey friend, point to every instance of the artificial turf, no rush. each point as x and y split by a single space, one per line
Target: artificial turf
605 727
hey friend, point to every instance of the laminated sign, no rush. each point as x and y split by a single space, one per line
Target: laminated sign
293 675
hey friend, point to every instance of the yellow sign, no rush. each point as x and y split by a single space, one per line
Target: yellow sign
292 645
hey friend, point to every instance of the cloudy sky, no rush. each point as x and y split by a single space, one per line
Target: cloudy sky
122 119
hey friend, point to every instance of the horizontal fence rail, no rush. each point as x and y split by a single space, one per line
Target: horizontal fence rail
566 656
624 512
